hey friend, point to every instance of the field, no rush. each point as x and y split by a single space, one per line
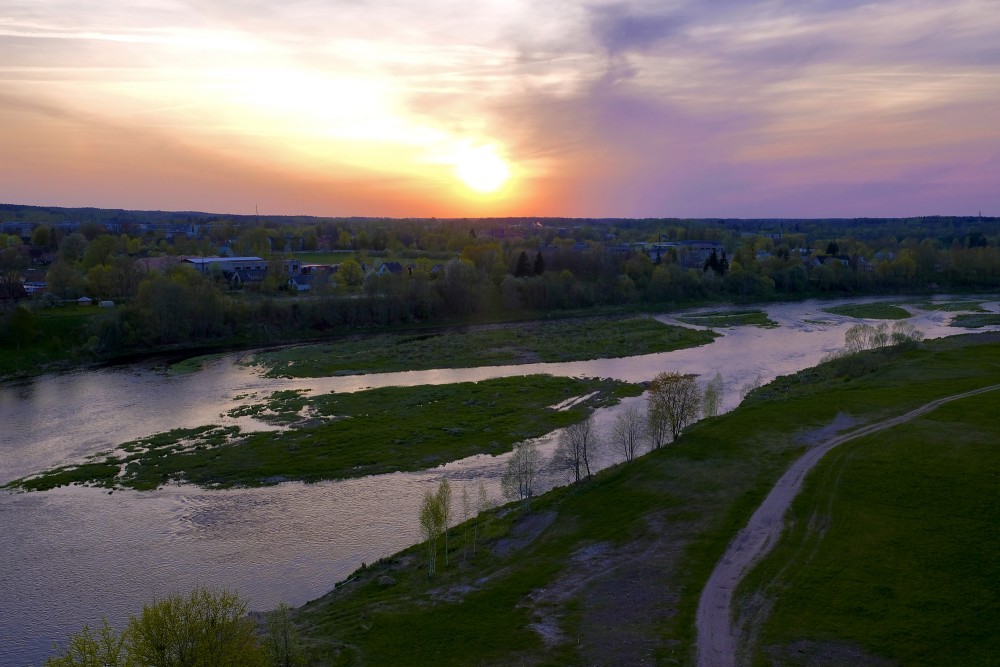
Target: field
336 436
494 345
609 571
894 549
870 311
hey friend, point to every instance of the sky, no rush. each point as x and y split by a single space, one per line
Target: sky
671 108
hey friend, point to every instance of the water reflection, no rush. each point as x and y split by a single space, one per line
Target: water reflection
72 555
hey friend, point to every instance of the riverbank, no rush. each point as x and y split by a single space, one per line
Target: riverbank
627 554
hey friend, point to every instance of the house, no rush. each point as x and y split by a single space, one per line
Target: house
35 287
247 277
395 268
301 282
312 276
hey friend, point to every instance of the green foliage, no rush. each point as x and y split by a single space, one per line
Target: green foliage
205 629
283 641
44 338
87 648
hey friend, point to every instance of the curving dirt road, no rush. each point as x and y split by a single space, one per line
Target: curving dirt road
716 636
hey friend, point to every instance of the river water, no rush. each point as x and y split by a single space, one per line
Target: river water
70 556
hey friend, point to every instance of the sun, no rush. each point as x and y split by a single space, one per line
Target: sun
482 169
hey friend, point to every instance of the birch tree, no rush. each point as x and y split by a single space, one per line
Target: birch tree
518 480
628 432
712 396
675 399
430 523
576 444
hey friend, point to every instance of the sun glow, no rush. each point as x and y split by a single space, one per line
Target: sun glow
482 169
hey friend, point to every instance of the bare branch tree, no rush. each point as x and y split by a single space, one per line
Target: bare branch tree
629 431
576 444
523 467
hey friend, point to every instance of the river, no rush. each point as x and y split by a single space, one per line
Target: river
70 556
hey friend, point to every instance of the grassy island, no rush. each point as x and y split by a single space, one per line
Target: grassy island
490 345
337 436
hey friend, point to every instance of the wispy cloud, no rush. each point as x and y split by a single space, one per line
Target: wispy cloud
632 107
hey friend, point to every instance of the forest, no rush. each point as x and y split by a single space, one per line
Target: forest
456 270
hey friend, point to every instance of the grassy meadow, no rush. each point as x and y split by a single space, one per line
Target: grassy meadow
893 549
609 571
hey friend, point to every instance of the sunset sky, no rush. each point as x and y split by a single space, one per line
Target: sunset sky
696 108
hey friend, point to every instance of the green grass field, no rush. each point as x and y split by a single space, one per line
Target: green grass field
870 311
894 547
494 345
616 575
346 435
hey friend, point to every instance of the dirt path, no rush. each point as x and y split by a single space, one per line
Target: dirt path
716 637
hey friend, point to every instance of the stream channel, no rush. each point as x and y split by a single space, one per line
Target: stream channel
71 556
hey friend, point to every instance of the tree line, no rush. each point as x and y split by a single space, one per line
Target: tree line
462 269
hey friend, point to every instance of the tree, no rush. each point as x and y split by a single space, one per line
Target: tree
629 431
64 280
430 527
523 466
444 512
284 646
350 274
521 268
675 400
205 628
832 248
539 267
72 247
87 648
576 443
12 263
712 396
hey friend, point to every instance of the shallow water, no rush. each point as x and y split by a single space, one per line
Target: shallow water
70 556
